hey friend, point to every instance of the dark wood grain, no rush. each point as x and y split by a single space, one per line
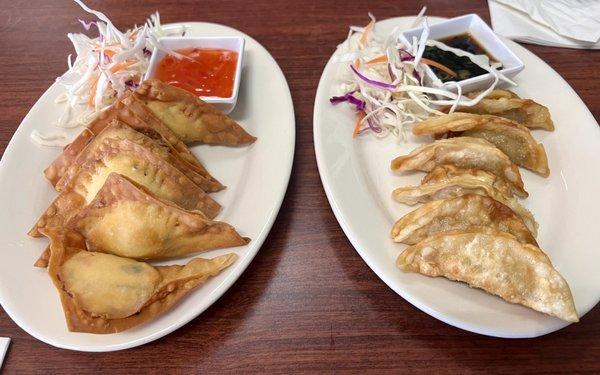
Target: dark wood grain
307 302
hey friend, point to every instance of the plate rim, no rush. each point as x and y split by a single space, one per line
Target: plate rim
353 238
228 281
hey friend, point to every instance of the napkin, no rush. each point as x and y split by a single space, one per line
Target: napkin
559 23
4 342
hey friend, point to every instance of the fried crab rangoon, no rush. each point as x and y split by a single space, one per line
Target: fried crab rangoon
86 176
125 220
189 117
131 112
103 293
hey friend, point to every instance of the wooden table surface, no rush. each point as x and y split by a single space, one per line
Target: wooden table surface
307 302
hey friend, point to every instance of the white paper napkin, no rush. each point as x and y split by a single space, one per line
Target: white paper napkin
559 23
4 342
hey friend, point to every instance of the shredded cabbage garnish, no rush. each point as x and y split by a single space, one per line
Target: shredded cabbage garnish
104 68
389 78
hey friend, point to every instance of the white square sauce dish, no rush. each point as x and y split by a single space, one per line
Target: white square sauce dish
480 36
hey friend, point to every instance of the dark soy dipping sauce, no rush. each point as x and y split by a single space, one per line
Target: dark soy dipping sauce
461 65
466 42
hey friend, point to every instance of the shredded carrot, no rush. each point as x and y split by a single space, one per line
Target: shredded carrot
378 59
441 67
109 52
361 116
365 34
109 45
122 65
92 93
357 63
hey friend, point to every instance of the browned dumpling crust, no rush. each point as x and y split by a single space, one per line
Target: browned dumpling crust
497 263
463 152
103 293
133 114
460 213
190 118
127 221
513 139
508 105
458 186
446 171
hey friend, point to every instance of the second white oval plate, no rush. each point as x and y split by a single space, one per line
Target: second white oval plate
358 182
256 178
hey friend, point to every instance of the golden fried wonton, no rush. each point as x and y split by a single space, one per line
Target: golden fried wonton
513 139
142 112
463 152
497 263
131 113
126 221
87 174
458 186
104 293
459 213
189 117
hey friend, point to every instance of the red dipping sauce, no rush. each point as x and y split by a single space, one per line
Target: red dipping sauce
210 73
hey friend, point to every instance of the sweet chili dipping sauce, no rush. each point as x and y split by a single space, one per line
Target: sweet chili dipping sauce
211 72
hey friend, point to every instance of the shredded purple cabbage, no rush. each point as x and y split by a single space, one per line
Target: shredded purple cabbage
372 126
132 85
405 55
381 85
86 25
417 75
348 97
146 52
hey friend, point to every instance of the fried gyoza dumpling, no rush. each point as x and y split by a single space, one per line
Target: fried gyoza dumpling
445 171
126 221
86 176
524 111
513 139
458 186
104 293
189 117
459 213
463 152
497 263
152 128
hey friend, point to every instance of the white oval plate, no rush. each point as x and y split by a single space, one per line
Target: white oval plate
358 183
256 177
